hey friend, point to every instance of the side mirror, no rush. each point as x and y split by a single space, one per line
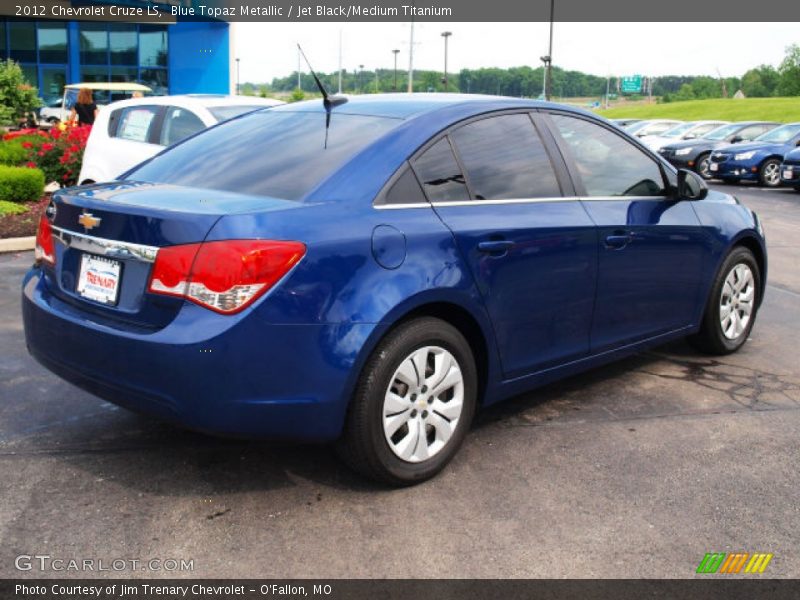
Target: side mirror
691 186
736 139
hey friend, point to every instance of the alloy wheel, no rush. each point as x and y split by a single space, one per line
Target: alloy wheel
736 301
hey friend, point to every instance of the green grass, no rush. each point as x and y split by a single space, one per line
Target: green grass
11 208
784 110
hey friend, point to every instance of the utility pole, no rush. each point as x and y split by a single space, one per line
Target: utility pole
608 88
549 63
237 76
340 61
445 35
411 58
299 87
395 52
360 85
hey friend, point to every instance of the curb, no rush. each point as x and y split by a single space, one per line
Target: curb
19 244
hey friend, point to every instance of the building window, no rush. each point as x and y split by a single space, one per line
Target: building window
22 35
94 44
155 79
122 43
52 38
53 81
152 46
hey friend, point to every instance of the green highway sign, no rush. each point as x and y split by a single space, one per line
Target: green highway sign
631 85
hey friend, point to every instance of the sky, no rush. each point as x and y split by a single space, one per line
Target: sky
268 50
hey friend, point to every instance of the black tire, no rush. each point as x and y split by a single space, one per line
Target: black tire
797 188
711 338
701 166
769 173
363 445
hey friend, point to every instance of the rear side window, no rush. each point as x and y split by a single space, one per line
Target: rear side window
179 124
440 174
135 123
505 158
281 154
752 132
405 190
607 163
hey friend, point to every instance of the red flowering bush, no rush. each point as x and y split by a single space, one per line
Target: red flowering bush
58 152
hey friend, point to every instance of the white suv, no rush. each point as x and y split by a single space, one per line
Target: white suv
128 132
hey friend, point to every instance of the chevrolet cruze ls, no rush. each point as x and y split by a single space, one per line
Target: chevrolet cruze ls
759 160
372 272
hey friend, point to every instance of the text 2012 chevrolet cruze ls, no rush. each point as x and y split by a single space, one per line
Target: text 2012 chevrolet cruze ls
372 272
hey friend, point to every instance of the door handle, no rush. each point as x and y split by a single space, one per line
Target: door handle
618 241
496 247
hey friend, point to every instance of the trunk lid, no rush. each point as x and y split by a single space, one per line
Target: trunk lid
109 235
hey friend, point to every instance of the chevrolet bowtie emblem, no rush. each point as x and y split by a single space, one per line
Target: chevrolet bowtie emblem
88 220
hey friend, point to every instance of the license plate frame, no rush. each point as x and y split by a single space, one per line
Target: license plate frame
99 279
713 167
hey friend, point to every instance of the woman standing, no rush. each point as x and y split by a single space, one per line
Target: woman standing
84 109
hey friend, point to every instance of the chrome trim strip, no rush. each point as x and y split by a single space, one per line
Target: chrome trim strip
517 201
104 247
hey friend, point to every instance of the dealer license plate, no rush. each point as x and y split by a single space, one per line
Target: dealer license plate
787 174
98 279
714 167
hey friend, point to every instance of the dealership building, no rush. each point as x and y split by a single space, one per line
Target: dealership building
167 54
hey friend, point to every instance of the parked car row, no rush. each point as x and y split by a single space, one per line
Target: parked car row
764 152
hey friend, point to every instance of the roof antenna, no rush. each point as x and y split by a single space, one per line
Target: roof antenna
328 101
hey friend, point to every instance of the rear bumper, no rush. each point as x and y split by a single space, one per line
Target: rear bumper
240 377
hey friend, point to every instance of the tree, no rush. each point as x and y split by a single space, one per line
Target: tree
789 84
17 96
760 82
685 93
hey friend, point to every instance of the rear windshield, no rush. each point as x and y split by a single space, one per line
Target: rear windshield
267 153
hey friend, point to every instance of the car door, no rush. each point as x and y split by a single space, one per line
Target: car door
651 247
529 244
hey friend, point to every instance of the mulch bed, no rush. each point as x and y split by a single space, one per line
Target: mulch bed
24 224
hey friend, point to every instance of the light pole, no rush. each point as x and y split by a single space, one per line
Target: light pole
395 52
237 76
549 58
445 35
360 85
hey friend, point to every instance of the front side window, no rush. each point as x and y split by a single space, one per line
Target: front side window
135 123
179 124
608 164
281 154
440 174
505 158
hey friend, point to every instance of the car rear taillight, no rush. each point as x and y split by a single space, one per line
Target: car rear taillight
45 248
225 276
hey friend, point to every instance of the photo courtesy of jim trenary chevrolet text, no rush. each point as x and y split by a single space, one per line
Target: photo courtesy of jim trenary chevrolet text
399 299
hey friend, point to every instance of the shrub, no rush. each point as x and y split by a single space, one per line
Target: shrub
20 184
58 153
17 96
12 153
11 208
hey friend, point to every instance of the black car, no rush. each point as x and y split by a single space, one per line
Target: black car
695 154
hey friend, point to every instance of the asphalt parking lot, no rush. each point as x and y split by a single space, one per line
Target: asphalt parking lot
633 470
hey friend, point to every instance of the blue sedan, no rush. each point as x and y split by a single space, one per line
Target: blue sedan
759 160
373 271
